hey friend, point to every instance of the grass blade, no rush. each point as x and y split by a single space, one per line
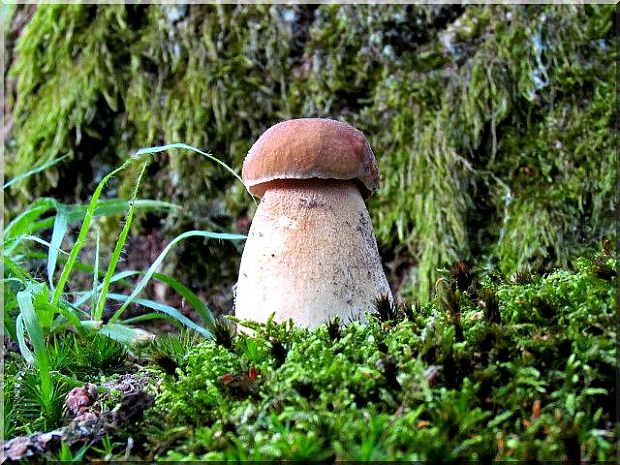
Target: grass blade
68 315
119 277
21 340
163 148
61 225
80 266
118 206
31 324
190 297
45 312
105 208
79 243
118 249
126 335
153 268
36 170
93 303
91 325
23 223
147 317
16 270
38 240
166 309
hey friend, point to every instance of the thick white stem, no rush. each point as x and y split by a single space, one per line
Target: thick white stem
311 254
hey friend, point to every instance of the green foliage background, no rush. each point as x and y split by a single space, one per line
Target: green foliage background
492 124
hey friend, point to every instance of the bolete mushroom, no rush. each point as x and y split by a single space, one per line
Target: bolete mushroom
311 253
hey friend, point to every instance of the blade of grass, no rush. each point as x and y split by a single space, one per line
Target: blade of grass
21 340
16 270
163 148
93 303
91 325
105 208
166 309
61 225
23 222
38 240
119 206
119 277
67 315
126 335
36 170
147 317
40 299
80 266
31 323
153 268
79 243
190 297
118 249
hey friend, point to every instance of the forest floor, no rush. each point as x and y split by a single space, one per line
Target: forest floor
493 368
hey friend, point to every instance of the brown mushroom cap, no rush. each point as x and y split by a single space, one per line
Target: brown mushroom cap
309 148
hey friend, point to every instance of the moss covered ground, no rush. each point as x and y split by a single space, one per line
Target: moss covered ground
493 125
492 368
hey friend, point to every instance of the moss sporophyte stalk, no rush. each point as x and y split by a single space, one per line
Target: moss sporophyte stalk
492 124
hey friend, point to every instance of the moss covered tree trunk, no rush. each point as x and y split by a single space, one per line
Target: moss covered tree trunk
493 125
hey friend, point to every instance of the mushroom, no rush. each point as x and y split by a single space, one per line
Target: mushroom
311 253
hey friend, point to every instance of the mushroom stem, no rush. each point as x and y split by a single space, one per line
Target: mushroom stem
310 255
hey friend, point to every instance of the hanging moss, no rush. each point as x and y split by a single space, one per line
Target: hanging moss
492 124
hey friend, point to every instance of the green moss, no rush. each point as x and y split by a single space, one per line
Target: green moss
60 81
492 124
539 385
495 368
